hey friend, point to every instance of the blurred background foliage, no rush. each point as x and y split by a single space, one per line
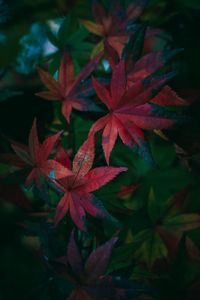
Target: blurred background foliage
35 33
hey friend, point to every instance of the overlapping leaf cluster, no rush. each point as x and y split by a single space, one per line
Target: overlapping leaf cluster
120 233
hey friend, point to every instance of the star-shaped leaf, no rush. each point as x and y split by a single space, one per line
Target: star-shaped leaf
77 189
159 238
73 92
35 157
89 277
129 109
105 22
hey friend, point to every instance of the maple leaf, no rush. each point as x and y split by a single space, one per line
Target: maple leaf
89 278
138 68
129 110
168 226
127 24
77 198
35 156
160 239
114 25
171 224
70 35
68 89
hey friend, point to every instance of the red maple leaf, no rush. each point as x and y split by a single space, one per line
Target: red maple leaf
113 25
35 157
89 278
117 24
68 89
129 110
77 198
139 69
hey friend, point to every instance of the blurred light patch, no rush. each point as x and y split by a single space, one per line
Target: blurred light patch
106 65
3 38
49 48
54 26
32 48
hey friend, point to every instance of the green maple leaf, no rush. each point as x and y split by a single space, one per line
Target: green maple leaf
71 36
160 237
